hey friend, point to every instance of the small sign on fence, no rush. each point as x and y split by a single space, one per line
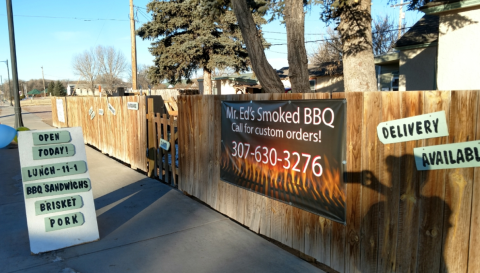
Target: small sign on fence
92 115
100 112
164 144
413 128
60 171
132 105
60 113
448 156
110 107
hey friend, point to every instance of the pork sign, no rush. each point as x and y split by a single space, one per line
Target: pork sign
57 189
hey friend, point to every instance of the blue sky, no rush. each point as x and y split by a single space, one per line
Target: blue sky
53 42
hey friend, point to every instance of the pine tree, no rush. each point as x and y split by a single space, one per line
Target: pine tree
51 87
192 39
59 89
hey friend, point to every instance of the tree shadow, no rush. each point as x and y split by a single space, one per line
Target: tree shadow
426 236
454 22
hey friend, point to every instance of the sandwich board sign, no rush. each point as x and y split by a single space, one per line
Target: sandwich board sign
57 189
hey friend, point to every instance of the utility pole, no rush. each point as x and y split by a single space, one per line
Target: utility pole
43 77
13 58
134 47
400 16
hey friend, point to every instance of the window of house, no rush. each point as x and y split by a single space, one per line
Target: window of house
312 84
394 83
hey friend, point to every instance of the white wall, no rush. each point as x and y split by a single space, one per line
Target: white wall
458 51
417 69
329 84
227 87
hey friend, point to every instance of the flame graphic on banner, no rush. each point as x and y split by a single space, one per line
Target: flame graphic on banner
287 185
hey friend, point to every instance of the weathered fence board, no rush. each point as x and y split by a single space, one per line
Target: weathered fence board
398 219
459 186
122 135
432 195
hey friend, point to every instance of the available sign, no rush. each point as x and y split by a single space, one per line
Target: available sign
448 156
291 151
413 128
57 189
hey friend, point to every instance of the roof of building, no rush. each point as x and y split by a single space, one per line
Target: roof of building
324 69
425 31
247 78
439 7
387 58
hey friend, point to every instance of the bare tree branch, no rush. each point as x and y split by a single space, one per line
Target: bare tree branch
85 66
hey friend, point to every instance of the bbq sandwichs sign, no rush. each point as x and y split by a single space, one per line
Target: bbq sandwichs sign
291 151
57 189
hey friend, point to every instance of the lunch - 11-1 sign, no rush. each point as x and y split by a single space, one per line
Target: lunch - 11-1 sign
291 151
57 189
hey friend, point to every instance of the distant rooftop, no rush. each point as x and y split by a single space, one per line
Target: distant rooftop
425 31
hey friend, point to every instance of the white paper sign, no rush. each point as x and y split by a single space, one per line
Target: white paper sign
413 128
448 156
58 194
110 107
60 113
164 144
132 105
100 112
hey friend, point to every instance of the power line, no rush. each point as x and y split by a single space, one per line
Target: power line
277 51
332 39
142 13
72 18
276 32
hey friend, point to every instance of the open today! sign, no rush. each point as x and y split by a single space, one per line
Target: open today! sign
57 189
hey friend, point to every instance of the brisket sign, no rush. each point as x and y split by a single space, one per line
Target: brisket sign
291 151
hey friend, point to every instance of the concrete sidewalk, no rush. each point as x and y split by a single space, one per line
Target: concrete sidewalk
145 226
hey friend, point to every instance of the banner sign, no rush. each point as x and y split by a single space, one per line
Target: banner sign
448 156
413 128
291 151
57 189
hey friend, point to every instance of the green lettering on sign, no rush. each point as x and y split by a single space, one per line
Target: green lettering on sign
52 137
34 190
53 151
64 221
58 204
53 170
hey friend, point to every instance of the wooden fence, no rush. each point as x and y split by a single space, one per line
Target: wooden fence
162 163
398 219
122 135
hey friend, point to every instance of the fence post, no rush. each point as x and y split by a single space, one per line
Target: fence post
151 139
